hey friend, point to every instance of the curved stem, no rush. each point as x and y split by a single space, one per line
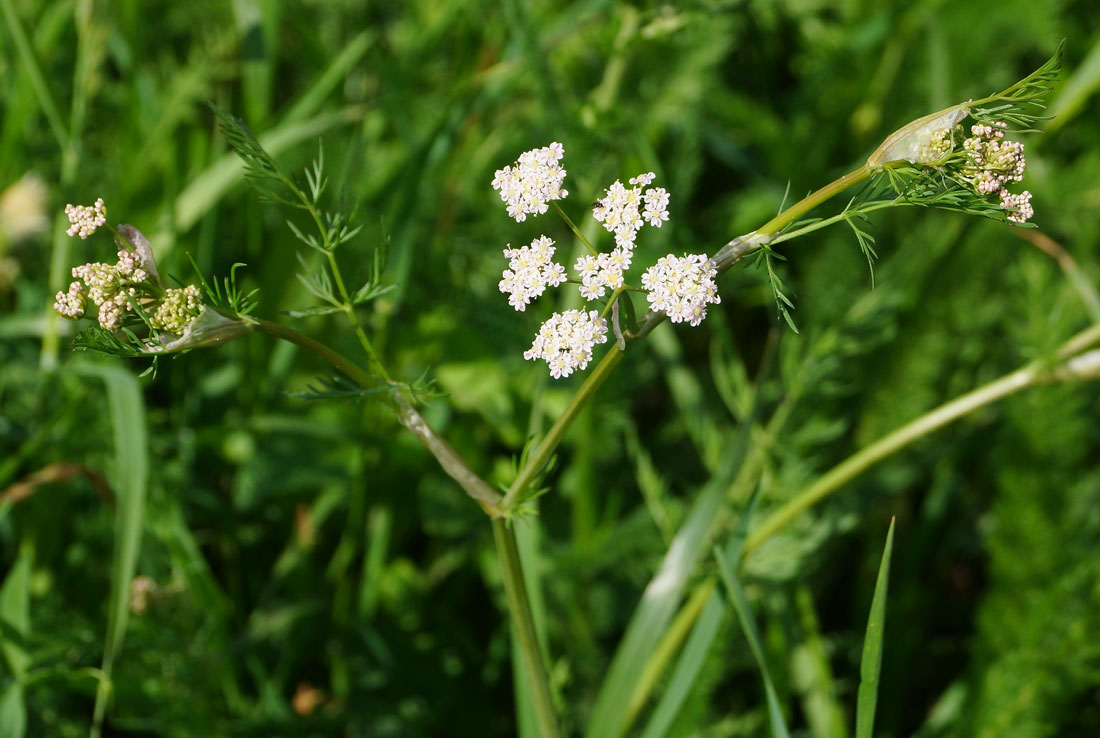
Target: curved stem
449 459
519 605
1028 376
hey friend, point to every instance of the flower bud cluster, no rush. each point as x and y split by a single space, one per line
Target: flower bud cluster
566 340
109 288
177 309
71 304
85 219
1018 206
682 288
530 270
991 163
532 181
938 145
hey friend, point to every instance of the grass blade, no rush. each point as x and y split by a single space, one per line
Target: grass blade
752 634
688 667
871 663
15 616
129 482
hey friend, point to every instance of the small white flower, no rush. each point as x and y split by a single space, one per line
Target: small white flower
620 209
529 271
532 181
682 287
566 340
85 219
656 206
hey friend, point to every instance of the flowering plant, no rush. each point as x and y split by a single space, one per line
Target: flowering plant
929 163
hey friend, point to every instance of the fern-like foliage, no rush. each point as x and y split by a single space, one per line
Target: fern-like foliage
1021 105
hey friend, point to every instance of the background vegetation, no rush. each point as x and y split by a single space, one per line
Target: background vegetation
310 571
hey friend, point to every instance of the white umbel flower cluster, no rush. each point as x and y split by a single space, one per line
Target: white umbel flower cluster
86 219
566 340
681 288
602 272
532 181
624 210
530 270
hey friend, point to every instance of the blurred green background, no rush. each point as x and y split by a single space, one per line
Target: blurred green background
306 569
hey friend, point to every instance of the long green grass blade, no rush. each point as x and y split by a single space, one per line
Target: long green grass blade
15 616
688 667
129 481
702 635
871 663
752 633
333 75
654 612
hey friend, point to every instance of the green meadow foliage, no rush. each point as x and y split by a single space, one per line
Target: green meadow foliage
754 527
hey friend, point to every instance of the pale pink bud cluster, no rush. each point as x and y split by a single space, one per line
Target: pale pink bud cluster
1018 206
566 340
992 161
682 288
70 304
530 270
109 288
85 219
534 180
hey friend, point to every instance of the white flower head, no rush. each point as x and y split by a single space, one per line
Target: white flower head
624 210
602 272
530 270
566 340
682 287
532 181
86 219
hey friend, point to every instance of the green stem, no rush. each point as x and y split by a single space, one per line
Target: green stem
553 437
576 231
449 459
811 201
522 620
1028 376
